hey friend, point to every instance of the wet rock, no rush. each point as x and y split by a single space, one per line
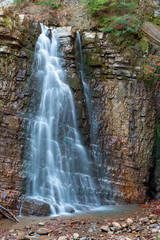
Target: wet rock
43 231
69 209
35 207
32 233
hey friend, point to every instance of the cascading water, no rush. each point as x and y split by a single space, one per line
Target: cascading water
79 58
60 170
105 193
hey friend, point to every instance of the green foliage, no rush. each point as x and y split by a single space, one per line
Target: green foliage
19 2
118 17
50 3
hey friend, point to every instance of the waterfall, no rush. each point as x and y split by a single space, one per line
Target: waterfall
104 192
59 167
79 60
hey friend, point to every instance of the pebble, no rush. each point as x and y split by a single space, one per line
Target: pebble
134 228
110 232
153 216
129 221
124 224
116 225
41 224
62 238
43 231
105 228
32 233
154 230
23 238
27 227
153 221
90 230
75 235
144 220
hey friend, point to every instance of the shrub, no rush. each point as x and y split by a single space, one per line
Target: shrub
120 17
50 3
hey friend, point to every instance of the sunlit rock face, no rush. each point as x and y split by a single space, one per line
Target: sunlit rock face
17 39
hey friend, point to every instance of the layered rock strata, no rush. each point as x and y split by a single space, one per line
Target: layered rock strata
17 40
124 116
122 124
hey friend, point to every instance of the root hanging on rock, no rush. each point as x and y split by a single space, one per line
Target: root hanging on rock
8 214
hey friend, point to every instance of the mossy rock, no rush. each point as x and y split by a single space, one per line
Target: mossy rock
92 59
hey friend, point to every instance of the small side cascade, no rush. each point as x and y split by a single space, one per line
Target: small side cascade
100 173
59 170
80 67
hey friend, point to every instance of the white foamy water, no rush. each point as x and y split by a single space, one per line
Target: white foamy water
60 172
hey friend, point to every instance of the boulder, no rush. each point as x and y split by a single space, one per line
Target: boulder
105 228
69 209
35 207
116 225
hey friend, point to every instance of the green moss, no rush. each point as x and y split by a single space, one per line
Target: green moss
8 21
143 43
148 79
91 58
73 83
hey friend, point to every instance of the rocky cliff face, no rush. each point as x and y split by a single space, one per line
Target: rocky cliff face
120 134
17 40
153 34
124 115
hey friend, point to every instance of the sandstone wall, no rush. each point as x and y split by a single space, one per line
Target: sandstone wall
17 40
153 35
124 116
120 134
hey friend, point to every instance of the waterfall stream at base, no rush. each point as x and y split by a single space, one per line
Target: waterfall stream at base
60 170
105 192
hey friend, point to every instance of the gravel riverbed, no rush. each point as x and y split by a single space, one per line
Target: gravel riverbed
139 223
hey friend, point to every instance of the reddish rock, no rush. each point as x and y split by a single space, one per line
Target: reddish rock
13 101
35 207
